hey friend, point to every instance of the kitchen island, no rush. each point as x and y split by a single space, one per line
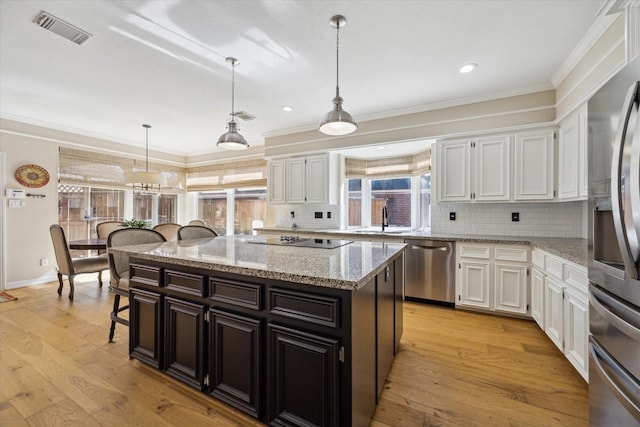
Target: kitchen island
290 335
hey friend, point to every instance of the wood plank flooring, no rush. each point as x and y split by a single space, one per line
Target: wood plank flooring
454 368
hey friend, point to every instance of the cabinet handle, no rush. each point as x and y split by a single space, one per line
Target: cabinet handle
341 354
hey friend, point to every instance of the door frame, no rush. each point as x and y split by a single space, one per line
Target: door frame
3 270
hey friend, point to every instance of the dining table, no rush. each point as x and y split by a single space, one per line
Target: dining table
88 244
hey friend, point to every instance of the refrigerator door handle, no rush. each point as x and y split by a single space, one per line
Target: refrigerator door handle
614 312
622 384
634 177
626 233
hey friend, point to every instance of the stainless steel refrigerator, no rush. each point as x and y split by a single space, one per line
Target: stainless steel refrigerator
614 250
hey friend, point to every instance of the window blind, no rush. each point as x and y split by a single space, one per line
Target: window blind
91 169
242 174
417 164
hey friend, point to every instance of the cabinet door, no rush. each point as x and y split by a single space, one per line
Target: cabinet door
236 360
317 179
276 181
569 158
537 297
145 327
533 166
553 311
576 329
454 165
295 180
492 168
303 378
184 341
510 292
385 296
583 150
474 284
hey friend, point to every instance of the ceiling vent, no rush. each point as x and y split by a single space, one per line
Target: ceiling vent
244 116
61 28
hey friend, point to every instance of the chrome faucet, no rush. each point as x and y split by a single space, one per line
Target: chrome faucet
385 217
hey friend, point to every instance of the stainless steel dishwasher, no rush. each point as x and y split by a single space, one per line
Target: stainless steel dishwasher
430 271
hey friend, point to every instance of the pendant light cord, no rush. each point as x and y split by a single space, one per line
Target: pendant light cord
337 58
147 148
233 85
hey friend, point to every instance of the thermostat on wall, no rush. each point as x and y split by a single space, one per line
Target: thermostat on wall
15 194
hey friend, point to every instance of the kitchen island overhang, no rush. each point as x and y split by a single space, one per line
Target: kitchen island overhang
289 335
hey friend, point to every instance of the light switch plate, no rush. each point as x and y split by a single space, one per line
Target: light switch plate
16 203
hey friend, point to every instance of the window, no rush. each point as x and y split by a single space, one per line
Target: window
250 210
395 193
354 206
425 202
143 207
80 209
212 209
167 208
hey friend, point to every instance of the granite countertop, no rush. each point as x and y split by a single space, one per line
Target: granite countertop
574 250
347 267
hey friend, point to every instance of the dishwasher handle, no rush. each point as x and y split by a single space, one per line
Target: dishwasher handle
431 248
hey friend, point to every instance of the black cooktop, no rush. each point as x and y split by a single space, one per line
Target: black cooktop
302 242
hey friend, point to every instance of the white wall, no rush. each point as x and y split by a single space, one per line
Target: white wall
26 236
536 219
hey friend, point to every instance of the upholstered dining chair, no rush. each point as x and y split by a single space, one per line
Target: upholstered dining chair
187 232
119 267
169 230
197 222
103 229
71 267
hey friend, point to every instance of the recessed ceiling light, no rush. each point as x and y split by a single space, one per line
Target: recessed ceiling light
380 147
467 68
287 108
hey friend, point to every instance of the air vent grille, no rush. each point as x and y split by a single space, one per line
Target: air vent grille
244 116
56 25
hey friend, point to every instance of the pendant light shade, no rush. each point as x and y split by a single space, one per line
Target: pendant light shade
337 121
145 180
232 140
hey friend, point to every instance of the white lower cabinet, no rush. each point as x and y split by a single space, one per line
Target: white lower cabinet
564 287
493 278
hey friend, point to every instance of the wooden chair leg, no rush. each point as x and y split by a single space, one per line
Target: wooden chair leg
71 286
60 287
114 315
100 278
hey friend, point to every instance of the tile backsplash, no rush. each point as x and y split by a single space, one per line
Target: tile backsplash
567 219
280 216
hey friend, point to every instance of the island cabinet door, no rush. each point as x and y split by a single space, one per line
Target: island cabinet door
145 327
235 360
385 321
303 378
184 341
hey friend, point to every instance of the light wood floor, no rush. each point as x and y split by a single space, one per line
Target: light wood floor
454 368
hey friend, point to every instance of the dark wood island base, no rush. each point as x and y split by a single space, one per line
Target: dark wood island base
287 354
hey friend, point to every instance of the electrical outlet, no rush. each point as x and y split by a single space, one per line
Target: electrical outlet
515 216
293 214
44 262
318 215
452 216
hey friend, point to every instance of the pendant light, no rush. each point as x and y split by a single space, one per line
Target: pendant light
337 121
232 140
145 180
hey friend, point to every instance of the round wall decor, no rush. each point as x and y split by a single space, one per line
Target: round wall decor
32 176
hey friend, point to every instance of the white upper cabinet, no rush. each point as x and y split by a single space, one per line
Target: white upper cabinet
276 181
454 166
572 156
492 161
295 180
317 179
308 179
475 169
533 165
